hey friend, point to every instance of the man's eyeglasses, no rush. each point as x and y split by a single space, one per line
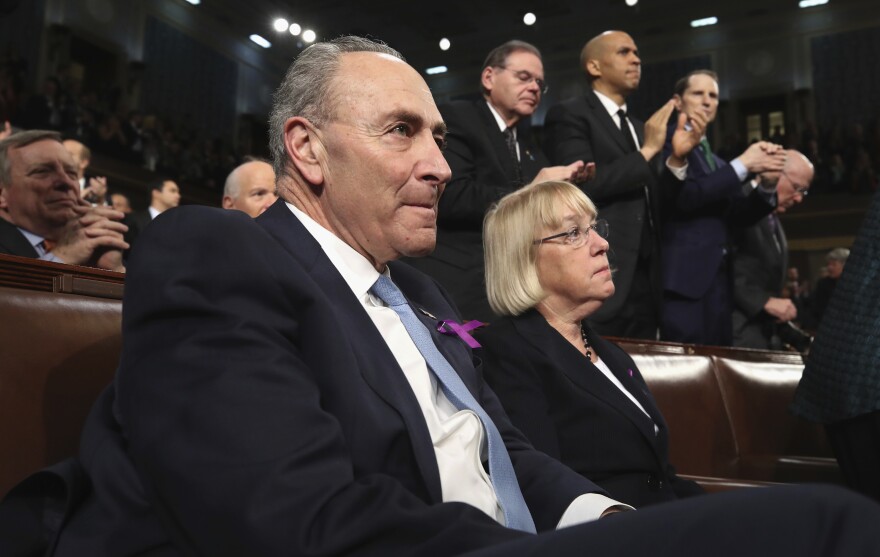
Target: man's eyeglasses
577 236
803 190
526 77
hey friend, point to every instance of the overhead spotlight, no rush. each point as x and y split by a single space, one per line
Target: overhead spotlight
295 29
811 3
445 44
194 2
309 36
631 3
260 41
530 18
280 25
435 70
704 22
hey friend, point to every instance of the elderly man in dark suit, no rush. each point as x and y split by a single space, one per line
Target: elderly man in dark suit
491 153
596 128
841 383
41 213
760 263
284 388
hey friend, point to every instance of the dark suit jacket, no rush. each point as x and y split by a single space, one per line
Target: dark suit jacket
760 260
697 216
482 173
623 189
571 411
258 411
13 242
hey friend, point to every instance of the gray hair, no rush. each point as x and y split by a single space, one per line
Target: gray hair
838 254
497 57
17 141
305 90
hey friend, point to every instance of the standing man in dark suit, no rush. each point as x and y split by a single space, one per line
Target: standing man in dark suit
841 383
491 153
284 390
697 216
596 128
760 262
41 213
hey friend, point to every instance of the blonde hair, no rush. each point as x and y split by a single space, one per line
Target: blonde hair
510 229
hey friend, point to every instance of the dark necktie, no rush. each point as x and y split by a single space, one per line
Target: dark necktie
707 154
516 512
624 129
510 140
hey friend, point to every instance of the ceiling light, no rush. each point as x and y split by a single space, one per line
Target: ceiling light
261 41
194 2
435 70
811 3
280 25
295 29
445 44
309 36
530 18
704 21
631 3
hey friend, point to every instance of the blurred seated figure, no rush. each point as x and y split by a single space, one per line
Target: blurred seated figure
835 260
250 187
92 188
120 202
41 213
577 397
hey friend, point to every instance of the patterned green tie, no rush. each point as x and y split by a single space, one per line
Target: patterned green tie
707 154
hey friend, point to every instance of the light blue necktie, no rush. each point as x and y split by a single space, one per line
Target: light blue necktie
516 513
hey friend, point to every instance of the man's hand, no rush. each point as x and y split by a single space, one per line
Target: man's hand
763 156
655 130
683 140
93 238
781 308
95 190
575 173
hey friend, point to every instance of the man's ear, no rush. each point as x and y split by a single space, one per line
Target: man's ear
3 202
227 202
303 148
487 78
594 68
677 100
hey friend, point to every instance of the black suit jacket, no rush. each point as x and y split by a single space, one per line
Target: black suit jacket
13 242
623 189
571 411
482 173
760 260
258 411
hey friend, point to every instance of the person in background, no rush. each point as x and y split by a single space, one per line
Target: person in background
250 187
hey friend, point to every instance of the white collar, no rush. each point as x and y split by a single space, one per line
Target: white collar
610 105
499 120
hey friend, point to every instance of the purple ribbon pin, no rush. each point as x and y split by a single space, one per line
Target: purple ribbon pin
630 372
449 327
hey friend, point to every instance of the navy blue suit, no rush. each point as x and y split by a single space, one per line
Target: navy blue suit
559 399
698 214
13 242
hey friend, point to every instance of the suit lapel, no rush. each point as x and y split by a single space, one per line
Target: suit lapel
607 121
496 139
13 242
584 374
376 362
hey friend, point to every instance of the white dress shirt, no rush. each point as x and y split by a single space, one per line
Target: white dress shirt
458 436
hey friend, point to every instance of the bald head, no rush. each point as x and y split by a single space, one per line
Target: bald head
81 155
250 188
612 64
794 180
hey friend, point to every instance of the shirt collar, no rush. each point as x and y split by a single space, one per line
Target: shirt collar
358 273
499 120
153 212
34 239
609 105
